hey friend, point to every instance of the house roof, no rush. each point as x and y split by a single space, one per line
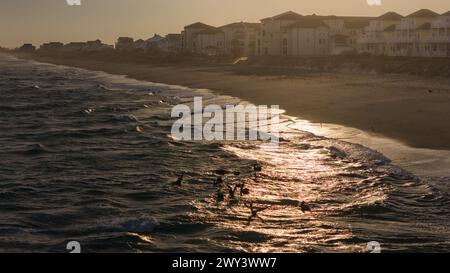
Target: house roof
173 36
423 13
242 24
125 39
390 28
198 25
391 16
308 22
289 15
155 38
350 18
425 26
446 14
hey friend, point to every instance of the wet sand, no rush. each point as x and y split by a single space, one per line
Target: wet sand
410 109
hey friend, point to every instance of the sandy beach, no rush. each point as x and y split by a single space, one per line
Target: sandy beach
414 110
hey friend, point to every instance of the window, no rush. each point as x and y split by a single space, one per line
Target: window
285 47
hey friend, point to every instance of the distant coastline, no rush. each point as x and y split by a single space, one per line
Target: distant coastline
335 90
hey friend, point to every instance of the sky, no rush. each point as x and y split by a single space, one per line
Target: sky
38 21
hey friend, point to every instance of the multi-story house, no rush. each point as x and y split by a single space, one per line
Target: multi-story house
96 45
241 38
270 41
378 36
171 43
440 36
139 45
209 41
74 46
308 36
125 43
27 48
52 46
344 32
188 43
390 38
412 33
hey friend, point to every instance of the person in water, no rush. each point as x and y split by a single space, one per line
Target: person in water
304 207
254 211
232 191
218 181
179 181
243 189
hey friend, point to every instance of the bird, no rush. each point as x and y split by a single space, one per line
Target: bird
305 207
179 180
430 91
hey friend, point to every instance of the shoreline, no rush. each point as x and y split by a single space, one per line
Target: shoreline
409 109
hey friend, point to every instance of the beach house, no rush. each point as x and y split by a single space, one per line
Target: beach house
52 46
96 45
379 36
273 31
27 48
171 43
124 43
440 36
74 46
413 33
293 34
209 41
187 36
344 32
308 36
241 38
139 44
154 42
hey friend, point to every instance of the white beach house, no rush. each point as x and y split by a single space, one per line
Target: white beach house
241 38
187 36
379 35
270 40
440 36
412 37
308 36
210 41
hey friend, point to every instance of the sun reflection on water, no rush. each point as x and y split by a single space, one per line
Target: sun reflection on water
302 169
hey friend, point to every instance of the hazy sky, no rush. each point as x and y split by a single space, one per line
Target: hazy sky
37 21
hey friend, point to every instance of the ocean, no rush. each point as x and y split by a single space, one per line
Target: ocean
87 156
